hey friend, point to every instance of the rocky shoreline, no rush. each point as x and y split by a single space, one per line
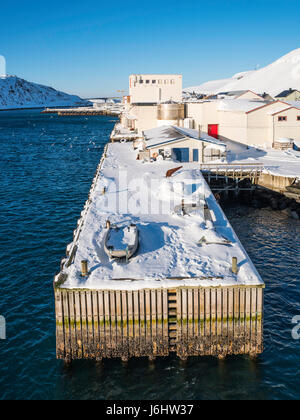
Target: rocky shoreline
262 198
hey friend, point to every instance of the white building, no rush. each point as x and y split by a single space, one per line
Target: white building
247 121
242 116
155 88
144 116
182 145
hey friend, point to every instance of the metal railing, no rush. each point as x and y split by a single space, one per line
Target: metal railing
231 166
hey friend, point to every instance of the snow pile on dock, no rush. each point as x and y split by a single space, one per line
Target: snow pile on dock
185 239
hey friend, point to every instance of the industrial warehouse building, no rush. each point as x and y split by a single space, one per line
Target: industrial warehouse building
141 117
147 93
241 116
246 121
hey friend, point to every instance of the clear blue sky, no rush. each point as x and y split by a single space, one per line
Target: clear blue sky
90 47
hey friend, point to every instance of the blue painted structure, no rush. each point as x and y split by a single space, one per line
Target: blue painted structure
182 154
195 155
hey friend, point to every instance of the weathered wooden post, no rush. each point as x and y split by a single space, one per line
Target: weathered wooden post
84 268
235 265
203 149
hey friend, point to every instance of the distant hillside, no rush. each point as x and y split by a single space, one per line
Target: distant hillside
18 93
273 79
216 86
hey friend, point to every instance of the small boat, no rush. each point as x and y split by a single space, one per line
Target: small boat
121 242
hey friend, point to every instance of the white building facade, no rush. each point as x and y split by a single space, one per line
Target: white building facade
155 88
251 123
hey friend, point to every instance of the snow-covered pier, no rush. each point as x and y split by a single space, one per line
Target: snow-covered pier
190 289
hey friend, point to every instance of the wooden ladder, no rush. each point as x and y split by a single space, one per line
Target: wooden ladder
172 319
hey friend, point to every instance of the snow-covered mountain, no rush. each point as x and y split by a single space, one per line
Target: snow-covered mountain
273 79
216 86
18 93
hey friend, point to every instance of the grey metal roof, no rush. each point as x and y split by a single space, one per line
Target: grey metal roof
286 93
144 103
170 134
162 135
233 92
266 96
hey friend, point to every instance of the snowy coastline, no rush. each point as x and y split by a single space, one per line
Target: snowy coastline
18 94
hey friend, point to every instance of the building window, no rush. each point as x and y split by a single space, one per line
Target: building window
282 118
172 82
141 81
166 82
153 81
298 118
147 81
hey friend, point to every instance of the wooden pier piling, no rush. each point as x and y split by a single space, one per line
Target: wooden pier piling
196 321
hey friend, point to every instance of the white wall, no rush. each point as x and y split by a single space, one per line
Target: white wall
289 128
185 143
203 113
233 126
253 128
259 127
155 88
250 95
146 117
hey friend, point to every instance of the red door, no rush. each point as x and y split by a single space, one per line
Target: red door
213 130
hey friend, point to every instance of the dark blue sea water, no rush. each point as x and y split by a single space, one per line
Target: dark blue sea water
47 164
